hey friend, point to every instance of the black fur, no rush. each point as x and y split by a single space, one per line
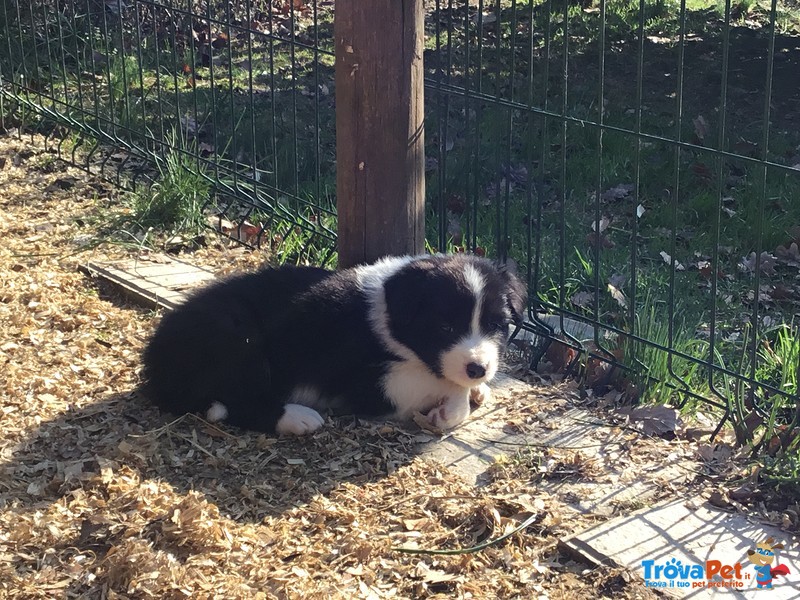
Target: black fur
251 340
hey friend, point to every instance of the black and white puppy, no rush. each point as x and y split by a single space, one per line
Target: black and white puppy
278 349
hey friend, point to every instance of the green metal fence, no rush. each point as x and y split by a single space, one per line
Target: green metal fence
238 92
640 161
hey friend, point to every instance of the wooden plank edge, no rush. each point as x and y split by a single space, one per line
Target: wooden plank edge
582 552
140 295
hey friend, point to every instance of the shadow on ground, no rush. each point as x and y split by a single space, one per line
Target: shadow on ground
248 475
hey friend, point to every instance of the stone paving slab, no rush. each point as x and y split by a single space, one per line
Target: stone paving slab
553 423
692 533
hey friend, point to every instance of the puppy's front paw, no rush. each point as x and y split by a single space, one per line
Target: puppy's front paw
449 413
299 420
437 417
479 395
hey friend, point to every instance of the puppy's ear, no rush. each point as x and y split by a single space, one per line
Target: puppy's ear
516 292
509 265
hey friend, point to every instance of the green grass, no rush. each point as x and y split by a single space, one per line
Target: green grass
175 201
661 377
780 357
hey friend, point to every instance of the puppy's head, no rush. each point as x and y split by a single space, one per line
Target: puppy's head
455 314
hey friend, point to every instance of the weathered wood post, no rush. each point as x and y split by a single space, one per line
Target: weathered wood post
380 161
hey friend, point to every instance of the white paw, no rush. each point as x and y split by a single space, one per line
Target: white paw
479 395
299 420
217 412
450 413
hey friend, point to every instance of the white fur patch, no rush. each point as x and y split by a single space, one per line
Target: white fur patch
217 412
472 349
476 283
305 395
298 420
371 279
411 387
452 411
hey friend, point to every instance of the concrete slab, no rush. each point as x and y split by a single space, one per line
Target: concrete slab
554 426
475 445
161 281
692 533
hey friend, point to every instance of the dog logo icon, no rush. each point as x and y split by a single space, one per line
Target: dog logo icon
762 558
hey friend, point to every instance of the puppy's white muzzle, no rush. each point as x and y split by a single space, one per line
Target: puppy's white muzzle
471 361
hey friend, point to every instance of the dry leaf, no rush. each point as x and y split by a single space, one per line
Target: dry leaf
700 128
668 259
618 192
425 424
582 299
789 254
766 264
653 420
601 225
618 296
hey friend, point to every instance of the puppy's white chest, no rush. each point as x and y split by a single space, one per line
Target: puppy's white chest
411 388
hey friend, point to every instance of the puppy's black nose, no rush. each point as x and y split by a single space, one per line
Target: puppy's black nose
475 371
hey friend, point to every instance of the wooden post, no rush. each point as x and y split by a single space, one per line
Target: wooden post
380 158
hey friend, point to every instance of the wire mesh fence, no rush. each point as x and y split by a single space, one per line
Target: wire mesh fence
639 160
235 92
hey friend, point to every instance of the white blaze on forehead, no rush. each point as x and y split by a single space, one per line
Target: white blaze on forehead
476 284
371 279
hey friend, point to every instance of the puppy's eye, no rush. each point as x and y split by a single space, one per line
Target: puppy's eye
498 325
447 328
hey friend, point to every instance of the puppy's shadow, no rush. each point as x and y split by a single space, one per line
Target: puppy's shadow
248 475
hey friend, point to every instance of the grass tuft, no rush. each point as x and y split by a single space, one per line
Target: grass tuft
176 200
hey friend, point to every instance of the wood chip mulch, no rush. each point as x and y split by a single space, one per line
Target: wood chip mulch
103 497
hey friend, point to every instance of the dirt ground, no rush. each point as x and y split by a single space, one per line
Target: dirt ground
103 497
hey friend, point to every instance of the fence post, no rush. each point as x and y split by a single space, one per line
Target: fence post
380 159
